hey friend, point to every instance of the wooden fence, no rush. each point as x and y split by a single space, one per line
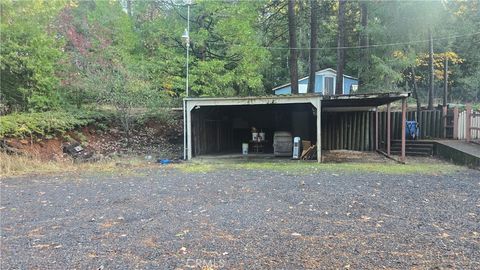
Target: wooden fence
430 124
462 126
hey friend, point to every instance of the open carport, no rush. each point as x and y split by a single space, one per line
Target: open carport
221 125
218 126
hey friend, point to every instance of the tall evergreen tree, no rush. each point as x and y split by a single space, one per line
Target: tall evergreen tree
292 37
313 45
340 46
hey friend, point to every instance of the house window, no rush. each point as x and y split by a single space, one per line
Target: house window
329 86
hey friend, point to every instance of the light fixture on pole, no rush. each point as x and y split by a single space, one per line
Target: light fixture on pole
186 39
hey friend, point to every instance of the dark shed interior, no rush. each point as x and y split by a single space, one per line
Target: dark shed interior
223 129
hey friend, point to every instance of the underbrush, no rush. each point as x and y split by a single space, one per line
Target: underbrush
51 123
20 125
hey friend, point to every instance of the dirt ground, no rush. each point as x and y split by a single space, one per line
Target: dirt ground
165 218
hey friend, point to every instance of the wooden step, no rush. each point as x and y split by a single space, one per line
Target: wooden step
411 153
420 149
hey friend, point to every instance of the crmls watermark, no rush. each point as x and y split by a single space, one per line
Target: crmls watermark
205 263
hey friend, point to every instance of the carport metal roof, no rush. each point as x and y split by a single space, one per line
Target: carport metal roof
313 99
355 100
362 100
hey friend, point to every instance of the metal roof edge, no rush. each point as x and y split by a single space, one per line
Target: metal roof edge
298 96
308 95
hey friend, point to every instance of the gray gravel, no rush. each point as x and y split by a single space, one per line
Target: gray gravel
167 219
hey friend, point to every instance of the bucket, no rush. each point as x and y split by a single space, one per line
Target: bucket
245 148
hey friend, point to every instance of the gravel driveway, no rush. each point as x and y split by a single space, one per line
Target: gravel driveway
164 218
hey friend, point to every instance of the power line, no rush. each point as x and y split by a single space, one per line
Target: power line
348 47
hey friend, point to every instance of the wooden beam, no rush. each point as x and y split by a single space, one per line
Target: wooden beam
455 123
445 114
388 129
319 129
468 120
376 128
404 120
390 157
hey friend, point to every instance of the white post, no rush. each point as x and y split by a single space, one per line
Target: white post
184 129
189 132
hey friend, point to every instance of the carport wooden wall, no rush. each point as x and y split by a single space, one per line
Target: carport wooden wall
348 130
210 135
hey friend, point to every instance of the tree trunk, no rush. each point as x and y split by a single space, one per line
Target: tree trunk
313 45
415 93
431 70
340 49
363 43
129 8
293 47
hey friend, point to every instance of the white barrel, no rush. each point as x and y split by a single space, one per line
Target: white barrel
245 148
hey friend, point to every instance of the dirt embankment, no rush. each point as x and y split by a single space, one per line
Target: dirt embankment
153 138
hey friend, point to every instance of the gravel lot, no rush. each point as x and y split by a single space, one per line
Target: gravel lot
163 218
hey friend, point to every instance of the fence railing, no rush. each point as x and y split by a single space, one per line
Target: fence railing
436 124
462 126
430 123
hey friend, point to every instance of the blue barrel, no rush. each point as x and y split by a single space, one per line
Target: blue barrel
412 130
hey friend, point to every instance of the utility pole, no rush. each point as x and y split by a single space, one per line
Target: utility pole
431 70
445 82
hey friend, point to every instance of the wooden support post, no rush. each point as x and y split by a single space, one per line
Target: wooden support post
319 130
445 114
404 120
468 120
455 123
376 128
388 129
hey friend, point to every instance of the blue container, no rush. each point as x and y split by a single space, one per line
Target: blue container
164 161
412 130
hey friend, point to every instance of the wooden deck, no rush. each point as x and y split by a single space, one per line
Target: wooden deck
460 152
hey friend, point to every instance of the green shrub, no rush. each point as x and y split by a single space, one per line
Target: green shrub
48 123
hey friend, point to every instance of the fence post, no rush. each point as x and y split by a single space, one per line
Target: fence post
404 119
468 120
445 114
455 123
388 129
376 128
